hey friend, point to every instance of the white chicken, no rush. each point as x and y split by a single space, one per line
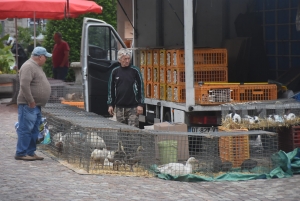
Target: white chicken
98 156
178 168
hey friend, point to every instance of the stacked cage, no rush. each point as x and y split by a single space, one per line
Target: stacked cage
261 115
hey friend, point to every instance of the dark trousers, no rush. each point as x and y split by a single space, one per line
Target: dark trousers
60 73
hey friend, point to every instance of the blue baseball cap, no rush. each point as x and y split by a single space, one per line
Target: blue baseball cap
38 51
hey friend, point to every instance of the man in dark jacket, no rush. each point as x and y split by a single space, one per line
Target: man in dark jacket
126 90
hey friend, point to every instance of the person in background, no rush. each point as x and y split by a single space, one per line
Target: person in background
60 58
34 92
126 90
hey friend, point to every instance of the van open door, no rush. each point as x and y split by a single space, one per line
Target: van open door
99 48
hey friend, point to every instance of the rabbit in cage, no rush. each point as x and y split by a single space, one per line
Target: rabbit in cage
234 116
289 115
253 119
275 118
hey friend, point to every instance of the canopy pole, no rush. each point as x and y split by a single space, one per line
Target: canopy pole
16 41
34 29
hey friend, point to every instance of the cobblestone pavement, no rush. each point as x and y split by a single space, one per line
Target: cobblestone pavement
50 180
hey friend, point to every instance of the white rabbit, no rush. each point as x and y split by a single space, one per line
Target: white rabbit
288 115
253 119
275 118
234 116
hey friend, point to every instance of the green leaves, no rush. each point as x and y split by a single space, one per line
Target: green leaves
71 32
6 57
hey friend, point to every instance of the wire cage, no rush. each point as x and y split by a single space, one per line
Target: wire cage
101 146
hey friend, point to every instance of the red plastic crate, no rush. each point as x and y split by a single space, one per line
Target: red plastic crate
288 138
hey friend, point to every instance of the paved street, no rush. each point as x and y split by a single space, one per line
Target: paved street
50 180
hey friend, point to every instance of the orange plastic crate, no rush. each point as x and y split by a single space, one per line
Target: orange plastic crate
169 62
156 73
163 75
149 60
169 75
143 72
209 74
234 149
162 58
255 92
202 57
156 58
176 93
148 90
155 91
162 91
216 94
149 75
76 104
143 58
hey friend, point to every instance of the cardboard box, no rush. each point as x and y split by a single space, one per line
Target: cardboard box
182 140
166 126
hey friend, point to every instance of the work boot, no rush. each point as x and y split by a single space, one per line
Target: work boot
38 157
25 158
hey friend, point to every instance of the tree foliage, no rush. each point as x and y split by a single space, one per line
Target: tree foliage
6 57
71 32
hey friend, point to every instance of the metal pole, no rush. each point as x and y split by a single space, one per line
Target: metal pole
17 55
34 29
189 53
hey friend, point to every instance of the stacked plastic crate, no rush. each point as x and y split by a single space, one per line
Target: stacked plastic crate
210 65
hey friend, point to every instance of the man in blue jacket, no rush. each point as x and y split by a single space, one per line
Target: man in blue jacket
126 90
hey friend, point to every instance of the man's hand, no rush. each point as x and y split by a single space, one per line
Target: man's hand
111 110
139 110
31 105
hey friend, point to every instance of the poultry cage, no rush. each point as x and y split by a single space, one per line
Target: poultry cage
261 115
66 93
102 146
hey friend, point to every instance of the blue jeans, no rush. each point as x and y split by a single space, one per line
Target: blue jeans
28 130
